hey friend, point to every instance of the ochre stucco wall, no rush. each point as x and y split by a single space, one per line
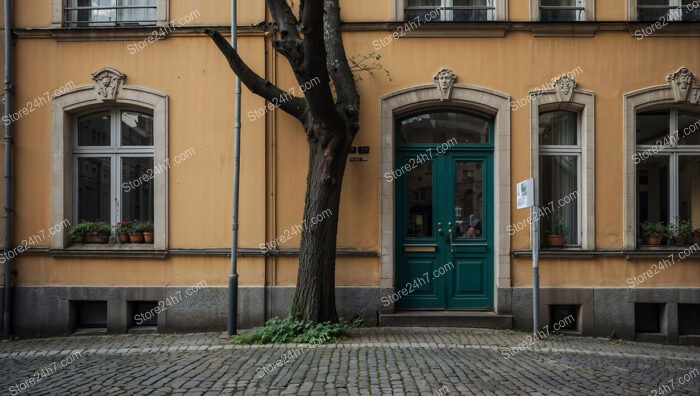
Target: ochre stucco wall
191 71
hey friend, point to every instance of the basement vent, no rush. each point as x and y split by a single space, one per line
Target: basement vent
647 317
143 313
688 319
564 317
90 314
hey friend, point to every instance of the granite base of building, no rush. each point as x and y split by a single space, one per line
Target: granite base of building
44 311
609 312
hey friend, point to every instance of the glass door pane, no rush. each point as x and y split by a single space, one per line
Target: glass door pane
469 199
419 199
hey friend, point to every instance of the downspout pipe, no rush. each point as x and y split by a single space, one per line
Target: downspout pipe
7 215
233 275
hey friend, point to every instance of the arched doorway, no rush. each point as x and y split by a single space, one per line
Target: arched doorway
471 177
444 209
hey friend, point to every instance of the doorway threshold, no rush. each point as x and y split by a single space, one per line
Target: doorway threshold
442 318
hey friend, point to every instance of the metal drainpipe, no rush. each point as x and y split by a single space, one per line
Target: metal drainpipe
233 276
7 244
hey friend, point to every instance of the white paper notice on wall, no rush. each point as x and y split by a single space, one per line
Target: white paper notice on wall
526 194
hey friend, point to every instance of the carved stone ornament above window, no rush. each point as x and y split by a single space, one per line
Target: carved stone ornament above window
444 80
681 84
564 87
108 83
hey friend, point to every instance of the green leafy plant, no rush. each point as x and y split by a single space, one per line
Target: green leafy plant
650 229
147 226
124 226
82 228
288 330
559 228
680 227
138 226
101 228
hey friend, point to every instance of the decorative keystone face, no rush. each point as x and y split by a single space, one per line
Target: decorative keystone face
108 83
681 83
444 80
564 87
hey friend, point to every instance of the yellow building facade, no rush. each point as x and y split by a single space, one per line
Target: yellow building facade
596 100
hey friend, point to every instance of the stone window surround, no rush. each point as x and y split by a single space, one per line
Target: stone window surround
583 103
589 13
658 96
84 98
57 7
469 97
501 10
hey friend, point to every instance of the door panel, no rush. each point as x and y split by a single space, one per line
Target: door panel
444 251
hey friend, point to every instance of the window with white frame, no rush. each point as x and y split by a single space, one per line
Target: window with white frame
562 10
113 157
95 13
667 161
559 180
668 10
450 10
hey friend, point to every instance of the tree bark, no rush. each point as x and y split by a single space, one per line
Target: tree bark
314 299
330 124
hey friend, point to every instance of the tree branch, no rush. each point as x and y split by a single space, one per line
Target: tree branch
319 98
292 105
289 42
337 62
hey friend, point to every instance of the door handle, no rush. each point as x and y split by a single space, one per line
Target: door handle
452 245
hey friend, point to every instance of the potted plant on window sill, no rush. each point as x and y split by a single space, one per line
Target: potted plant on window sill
136 232
653 232
148 232
557 235
696 236
123 228
99 232
680 229
79 231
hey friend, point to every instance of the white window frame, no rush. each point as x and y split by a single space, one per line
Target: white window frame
58 6
501 12
673 151
588 14
654 97
633 11
84 98
115 151
570 151
583 103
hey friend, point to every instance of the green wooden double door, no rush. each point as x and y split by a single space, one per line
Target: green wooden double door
444 226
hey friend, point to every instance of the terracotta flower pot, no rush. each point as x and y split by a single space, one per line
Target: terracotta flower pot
555 240
696 238
654 240
148 237
97 238
679 239
79 238
136 237
123 237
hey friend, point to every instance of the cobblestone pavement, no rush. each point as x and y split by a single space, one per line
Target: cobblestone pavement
374 361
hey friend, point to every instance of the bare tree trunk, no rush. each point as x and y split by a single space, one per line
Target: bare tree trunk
314 299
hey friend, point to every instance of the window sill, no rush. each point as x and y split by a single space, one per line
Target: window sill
134 250
584 254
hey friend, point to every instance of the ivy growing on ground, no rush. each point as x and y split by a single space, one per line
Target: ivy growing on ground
288 330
